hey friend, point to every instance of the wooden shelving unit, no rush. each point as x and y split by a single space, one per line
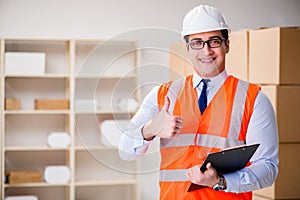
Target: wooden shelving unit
90 70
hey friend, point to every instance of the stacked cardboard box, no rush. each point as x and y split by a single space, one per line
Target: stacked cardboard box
272 62
273 56
237 59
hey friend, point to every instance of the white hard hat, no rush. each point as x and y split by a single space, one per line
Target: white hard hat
201 19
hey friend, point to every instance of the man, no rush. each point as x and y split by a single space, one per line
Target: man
231 112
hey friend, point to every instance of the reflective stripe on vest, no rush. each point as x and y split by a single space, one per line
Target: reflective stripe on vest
173 92
206 140
238 112
173 175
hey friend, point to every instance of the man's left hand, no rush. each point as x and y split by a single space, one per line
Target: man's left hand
208 178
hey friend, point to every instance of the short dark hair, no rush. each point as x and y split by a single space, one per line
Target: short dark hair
223 31
225 34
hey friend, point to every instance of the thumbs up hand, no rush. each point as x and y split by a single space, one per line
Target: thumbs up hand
163 125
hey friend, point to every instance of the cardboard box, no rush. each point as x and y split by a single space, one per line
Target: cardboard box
285 100
255 197
286 184
12 104
237 57
179 63
51 104
31 176
274 56
25 63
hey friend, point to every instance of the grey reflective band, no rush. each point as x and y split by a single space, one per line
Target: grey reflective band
173 175
238 109
173 92
179 141
205 140
214 141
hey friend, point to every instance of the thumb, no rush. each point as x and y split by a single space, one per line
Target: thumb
208 165
166 104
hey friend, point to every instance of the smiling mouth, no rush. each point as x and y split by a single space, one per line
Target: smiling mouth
207 60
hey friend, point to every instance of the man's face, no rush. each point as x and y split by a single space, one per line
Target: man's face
208 62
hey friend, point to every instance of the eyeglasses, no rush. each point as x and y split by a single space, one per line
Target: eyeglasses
197 44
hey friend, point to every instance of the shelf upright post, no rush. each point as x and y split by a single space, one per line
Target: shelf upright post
2 49
71 72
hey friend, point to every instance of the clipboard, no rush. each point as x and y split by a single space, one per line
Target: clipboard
227 161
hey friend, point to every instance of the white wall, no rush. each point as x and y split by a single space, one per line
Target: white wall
154 23
99 18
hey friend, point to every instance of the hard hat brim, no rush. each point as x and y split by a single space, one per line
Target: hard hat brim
183 34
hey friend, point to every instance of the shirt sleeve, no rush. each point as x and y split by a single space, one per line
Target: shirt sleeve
263 170
132 143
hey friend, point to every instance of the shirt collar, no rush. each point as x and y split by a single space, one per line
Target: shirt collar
216 81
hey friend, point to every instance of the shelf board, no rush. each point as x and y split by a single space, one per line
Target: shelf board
33 148
105 182
77 183
104 77
42 40
36 112
41 184
46 148
47 75
98 111
103 111
93 147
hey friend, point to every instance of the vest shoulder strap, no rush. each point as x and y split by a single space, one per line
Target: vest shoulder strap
173 92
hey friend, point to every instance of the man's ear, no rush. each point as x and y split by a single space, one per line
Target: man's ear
227 46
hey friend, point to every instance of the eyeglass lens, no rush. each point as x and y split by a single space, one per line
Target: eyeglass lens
212 43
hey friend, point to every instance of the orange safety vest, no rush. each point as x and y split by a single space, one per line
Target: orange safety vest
223 124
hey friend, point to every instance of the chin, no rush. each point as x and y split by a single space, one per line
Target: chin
207 74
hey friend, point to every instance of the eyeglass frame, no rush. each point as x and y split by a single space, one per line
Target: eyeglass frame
207 41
